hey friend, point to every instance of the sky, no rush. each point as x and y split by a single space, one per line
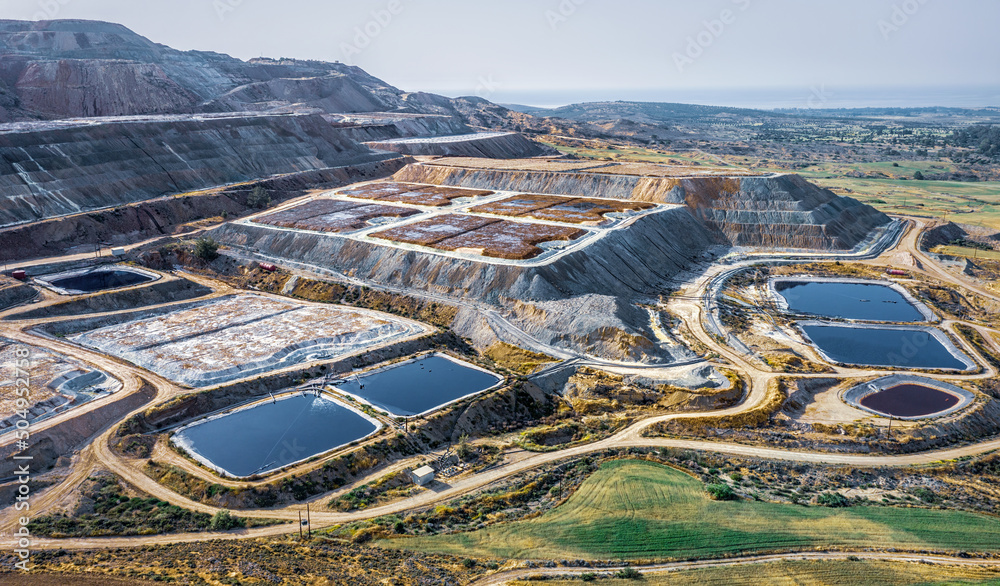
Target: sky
767 53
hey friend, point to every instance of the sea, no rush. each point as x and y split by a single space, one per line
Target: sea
805 97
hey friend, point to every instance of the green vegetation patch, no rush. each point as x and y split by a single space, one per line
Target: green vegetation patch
112 512
639 510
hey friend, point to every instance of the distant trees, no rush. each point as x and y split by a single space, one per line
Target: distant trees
985 138
918 176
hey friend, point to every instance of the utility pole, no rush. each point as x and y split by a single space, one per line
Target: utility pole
309 525
300 525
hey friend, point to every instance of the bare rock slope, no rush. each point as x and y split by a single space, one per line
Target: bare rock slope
55 169
492 145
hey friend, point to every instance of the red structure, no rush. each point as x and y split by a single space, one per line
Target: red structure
897 272
268 267
20 275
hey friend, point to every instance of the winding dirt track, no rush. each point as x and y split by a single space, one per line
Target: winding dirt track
98 454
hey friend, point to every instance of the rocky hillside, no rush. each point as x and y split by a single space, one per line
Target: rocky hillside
71 68
66 68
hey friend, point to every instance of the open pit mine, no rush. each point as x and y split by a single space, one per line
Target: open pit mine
242 286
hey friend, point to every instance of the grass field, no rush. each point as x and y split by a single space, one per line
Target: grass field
957 201
632 509
967 251
803 573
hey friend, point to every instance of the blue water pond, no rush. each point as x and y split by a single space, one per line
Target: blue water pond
419 386
858 301
904 347
271 435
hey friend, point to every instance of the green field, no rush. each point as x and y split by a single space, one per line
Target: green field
633 509
966 202
810 572
962 202
967 251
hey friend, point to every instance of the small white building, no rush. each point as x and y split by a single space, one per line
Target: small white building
422 476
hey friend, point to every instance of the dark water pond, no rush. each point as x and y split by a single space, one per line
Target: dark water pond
910 400
271 435
858 301
420 386
907 348
101 280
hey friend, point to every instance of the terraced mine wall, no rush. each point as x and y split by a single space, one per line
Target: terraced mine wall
783 211
639 262
165 216
366 129
641 259
155 294
511 145
55 169
546 182
13 292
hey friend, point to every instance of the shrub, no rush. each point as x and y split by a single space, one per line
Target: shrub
832 499
365 535
206 248
224 521
464 450
925 494
259 198
720 492
628 574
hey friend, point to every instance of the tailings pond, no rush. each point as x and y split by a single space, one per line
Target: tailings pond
91 281
419 386
847 300
909 400
883 346
271 435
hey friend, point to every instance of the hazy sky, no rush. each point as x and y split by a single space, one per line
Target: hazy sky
536 51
